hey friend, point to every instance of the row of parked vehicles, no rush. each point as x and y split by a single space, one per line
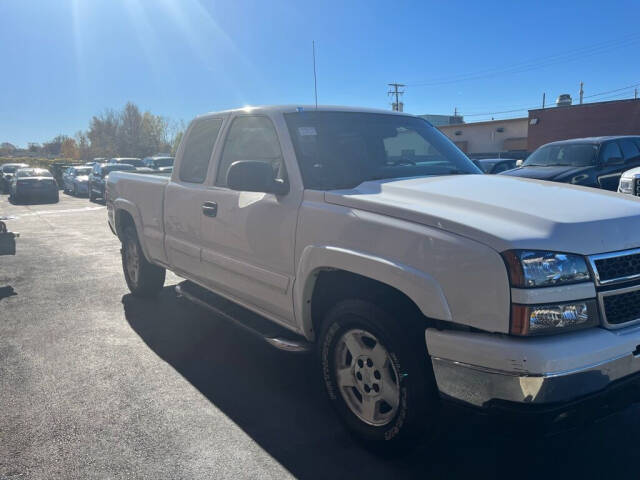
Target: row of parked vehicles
23 182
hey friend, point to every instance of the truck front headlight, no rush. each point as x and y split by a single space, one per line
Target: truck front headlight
625 185
553 318
535 268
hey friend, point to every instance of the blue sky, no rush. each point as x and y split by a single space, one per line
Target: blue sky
66 60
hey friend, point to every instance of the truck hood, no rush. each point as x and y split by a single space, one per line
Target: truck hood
546 173
506 212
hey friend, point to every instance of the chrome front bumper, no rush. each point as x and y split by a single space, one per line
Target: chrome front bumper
479 386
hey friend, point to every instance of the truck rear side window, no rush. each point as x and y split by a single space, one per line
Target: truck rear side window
198 149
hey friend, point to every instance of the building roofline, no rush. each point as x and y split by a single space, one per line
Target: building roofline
485 122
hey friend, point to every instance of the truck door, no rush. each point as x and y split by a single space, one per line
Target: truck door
248 242
184 196
612 166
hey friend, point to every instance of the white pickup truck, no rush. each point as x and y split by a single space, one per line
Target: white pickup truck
369 237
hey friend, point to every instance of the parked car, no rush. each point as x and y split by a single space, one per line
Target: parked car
373 240
136 162
30 183
75 180
98 176
161 164
58 170
7 171
495 165
593 162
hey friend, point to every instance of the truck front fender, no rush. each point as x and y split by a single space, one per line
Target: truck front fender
419 286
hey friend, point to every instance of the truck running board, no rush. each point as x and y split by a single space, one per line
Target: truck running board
275 335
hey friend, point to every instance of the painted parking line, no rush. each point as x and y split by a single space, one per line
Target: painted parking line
55 212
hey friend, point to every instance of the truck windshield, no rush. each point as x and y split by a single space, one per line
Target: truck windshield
343 149
570 154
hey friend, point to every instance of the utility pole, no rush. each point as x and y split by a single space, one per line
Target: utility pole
581 92
395 92
455 111
635 94
544 96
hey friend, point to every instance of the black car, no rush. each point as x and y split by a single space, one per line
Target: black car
30 183
98 177
7 171
592 162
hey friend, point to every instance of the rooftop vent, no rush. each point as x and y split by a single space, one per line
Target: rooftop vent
564 100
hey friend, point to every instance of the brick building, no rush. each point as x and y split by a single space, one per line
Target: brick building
620 117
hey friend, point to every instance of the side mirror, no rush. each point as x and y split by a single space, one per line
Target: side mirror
614 161
254 176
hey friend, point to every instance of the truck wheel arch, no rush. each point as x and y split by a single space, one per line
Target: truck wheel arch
126 213
352 270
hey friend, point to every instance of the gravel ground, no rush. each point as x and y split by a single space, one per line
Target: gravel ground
97 384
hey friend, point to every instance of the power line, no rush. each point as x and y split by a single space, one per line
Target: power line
628 87
571 55
397 94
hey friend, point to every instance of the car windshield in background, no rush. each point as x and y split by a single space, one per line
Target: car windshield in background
343 149
116 167
570 154
163 162
33 172
83 171
136 162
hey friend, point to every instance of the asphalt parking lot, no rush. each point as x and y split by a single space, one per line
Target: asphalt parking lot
97 384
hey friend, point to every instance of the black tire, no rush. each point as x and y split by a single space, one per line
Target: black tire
92 197
417 410
143 278
56 197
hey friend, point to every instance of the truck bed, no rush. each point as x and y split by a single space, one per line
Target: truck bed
142 196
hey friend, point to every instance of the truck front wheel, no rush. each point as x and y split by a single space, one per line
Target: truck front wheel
143 278
376 375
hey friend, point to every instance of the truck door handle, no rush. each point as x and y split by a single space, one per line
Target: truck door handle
210 209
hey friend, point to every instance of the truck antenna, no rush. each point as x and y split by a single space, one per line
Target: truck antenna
315 79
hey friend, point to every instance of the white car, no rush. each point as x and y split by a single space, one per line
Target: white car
368 237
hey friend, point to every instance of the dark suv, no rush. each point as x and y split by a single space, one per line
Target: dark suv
592 162
98 177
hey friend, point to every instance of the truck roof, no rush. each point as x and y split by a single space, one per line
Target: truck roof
307 108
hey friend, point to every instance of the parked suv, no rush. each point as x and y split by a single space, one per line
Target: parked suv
370 238
593 162
98 176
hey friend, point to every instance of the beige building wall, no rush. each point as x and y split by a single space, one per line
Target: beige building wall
489 137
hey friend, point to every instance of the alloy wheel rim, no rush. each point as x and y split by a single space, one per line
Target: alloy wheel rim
367 377
132 260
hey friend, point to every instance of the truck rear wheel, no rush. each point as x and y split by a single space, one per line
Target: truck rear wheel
376 375
144 279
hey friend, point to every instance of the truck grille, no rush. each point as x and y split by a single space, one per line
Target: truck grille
616 267
622 307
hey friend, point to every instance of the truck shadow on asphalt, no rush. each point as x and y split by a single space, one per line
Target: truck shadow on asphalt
277 399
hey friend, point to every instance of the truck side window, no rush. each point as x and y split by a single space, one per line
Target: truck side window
610 150
251 138
629 149
198 149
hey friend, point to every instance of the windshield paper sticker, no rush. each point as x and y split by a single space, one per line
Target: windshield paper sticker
306 131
